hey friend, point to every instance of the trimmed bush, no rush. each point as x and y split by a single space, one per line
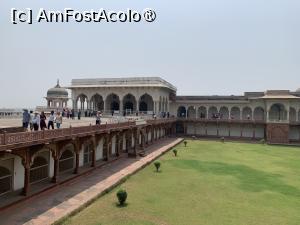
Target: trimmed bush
175 152
157 165
185 143
122 196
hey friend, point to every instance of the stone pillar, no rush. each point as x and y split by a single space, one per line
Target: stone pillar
88 105
74 104
26 179
186 112
241 114
76 170
56 167
121 107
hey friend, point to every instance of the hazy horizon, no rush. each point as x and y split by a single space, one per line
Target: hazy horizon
202 47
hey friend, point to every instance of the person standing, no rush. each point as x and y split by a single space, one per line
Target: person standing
72 114
26 118
30 122
79 115
58 120
98 118
51 120
35 121
43 121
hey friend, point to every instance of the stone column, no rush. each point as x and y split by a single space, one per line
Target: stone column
88 104
74 104
186 112
121 107
26 179
56 167
76 170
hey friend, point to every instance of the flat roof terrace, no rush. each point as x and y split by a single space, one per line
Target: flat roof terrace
122 82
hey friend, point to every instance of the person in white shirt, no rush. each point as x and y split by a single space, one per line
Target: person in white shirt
36 121
51 120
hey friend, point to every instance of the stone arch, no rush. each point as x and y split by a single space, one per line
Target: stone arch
6 179
67 158
146 103
39 170
81 102
235 113
129 103
224 113
212 112
202 111
277 112
247 113
97 102
259 114
112 102
191 113
88 152
181 112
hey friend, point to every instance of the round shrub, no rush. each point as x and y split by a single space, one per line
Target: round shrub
185 143
122 196
175 152
157 165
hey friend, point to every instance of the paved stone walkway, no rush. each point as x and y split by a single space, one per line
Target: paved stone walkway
60 202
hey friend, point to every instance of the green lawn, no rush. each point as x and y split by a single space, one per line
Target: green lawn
208 183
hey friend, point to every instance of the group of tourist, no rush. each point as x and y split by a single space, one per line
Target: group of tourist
36 121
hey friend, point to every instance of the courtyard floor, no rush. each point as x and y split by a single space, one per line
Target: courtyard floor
209 183
58 202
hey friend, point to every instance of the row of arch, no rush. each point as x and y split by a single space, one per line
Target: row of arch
40 168
223 113
113 103
277 112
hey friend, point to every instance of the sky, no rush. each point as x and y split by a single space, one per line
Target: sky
203 47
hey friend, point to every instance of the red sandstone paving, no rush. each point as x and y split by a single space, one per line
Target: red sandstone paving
59 202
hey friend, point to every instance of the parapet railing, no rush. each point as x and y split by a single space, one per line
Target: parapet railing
24 137
35 136
161 121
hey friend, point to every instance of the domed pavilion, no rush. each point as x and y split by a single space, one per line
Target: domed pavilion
57 97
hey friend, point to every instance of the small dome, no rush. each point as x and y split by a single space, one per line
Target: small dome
57 91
